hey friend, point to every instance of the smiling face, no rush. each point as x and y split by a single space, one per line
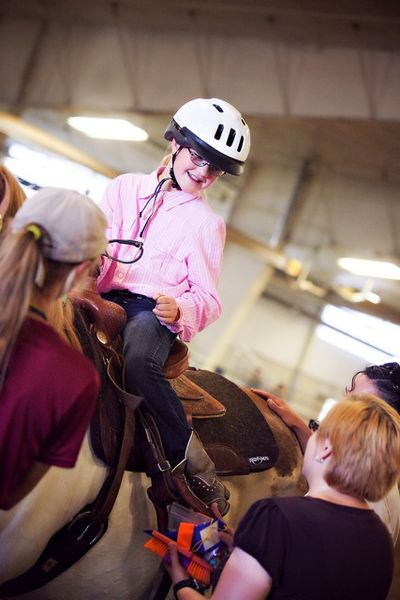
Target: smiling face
192 178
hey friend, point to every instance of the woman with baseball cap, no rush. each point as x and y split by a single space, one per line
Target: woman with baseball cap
48 390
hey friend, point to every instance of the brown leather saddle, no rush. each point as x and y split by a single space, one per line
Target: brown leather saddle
223 426
108 319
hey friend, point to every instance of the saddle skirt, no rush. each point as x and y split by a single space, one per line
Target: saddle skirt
225 434
227 439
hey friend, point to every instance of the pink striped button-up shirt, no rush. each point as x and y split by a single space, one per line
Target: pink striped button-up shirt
183 246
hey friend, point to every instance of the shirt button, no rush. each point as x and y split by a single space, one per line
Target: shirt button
120 275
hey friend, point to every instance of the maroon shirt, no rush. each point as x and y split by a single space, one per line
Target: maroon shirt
46 404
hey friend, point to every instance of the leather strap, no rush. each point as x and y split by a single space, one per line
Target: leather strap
106 497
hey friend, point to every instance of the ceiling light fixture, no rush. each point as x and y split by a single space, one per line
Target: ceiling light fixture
352 295
108 129
370 268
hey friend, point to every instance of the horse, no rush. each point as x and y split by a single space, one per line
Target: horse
118 565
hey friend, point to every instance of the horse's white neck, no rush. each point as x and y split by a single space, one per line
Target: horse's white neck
60 495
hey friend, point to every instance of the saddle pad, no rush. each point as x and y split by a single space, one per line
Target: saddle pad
241 441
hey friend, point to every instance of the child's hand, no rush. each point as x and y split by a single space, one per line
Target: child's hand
176 571
167 309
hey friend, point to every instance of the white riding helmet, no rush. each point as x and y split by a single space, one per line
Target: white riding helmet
215 130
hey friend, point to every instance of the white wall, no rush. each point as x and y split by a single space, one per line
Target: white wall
281 343
276 344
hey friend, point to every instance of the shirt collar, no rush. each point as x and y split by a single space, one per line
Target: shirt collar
171 198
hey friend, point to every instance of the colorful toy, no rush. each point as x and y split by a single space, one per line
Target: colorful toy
198 547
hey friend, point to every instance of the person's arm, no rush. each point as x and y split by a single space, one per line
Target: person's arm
288 416
242 578
200 306
27 482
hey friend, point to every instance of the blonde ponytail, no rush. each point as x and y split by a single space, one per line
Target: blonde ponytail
165 160
19 258
61 318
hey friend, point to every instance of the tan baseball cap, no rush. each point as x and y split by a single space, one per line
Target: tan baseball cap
75 224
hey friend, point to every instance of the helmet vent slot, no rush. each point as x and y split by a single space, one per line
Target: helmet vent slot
218 107
240 146
231 137
219 132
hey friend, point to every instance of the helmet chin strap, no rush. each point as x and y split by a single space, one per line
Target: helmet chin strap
153 197
175 183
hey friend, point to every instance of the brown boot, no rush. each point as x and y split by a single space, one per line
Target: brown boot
195 475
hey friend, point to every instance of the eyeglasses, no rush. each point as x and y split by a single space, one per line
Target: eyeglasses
200 162
126 252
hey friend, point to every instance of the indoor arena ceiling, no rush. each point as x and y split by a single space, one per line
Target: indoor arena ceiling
318 81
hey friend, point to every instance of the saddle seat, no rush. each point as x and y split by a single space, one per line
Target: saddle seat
109 319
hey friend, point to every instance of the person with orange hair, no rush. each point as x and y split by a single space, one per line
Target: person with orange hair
384 382
330 543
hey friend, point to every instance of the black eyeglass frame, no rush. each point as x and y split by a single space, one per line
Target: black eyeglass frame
201 162
135 243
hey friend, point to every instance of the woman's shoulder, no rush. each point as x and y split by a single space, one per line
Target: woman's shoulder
43 353
275 505
264 517
279 508
52 344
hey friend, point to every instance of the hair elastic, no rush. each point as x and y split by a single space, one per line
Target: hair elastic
35 231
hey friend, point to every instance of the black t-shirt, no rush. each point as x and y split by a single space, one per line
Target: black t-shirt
316 550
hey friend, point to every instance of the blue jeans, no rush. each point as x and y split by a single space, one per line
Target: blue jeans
147 344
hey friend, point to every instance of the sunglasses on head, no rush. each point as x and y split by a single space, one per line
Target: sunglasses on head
313 424
200 162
